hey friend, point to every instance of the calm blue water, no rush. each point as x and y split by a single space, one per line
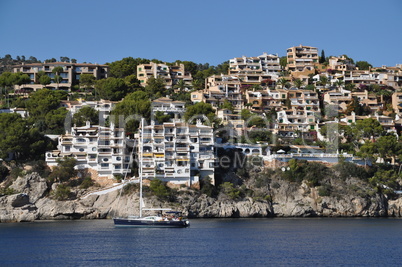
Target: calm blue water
208 242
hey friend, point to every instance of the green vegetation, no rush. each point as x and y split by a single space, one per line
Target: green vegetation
4 171
63 192
20 140
197 111
160 190
64 170
228 189
85 114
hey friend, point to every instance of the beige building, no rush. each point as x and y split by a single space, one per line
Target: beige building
171 74
341 63
224 87
70 75
301 58
397 103
339 98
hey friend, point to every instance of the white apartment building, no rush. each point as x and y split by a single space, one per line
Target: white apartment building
264 64
104 150
166 105
104 107
177 152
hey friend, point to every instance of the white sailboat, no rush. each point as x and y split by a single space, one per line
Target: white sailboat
171 219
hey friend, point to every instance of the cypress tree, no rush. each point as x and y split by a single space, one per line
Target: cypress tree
322 58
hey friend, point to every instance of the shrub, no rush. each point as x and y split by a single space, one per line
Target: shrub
40 167
4 171
228 189
7 191
159 189
62 192
208 189
316 172
16 172
64 170
87 182
118 177
324 190
348 169
130 188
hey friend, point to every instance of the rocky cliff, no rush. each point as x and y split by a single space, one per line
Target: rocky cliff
351 197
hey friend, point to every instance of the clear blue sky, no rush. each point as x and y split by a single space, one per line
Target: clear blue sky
206 31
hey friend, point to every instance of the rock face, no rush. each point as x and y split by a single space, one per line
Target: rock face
32 185
286 199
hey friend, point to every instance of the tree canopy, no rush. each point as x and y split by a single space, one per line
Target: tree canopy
126 66
198 111
20 140
363 65
113 89
85 114
128 112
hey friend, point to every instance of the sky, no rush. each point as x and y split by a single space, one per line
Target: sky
206 31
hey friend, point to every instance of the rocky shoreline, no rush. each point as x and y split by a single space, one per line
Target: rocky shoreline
32 202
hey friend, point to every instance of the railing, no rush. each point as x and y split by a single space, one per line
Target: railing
309 155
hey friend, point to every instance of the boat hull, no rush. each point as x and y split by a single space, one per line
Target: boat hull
124 222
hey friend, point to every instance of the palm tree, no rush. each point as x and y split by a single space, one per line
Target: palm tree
283 82
57 78
181 85
324 81
197 84
298 83
339 83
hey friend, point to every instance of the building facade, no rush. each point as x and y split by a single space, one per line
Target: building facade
69 76
102 149
301 58
177 152
170 74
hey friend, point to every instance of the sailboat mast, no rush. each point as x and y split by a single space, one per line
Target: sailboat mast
140 162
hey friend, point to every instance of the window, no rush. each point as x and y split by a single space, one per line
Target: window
81 149
104 165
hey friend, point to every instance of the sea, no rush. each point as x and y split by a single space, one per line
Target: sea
207 242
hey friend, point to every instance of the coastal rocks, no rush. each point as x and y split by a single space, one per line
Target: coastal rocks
49 209
16 208
348 198
32 185
291 200
395 208
206 207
